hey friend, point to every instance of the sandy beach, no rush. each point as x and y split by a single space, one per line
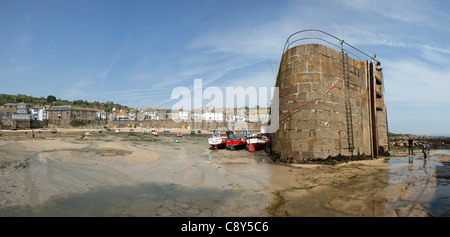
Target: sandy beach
130 174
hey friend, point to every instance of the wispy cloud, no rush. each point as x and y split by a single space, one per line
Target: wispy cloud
419 12
415 82
78 90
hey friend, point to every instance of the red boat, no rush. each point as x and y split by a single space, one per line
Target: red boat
234 143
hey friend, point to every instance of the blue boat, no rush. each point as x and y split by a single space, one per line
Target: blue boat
192 131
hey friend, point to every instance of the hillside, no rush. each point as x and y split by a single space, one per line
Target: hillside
36 101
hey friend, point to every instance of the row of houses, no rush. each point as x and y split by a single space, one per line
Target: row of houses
12 113
206 114
22 112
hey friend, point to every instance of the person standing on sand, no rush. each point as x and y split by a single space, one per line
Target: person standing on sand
32 133
424 149
410 148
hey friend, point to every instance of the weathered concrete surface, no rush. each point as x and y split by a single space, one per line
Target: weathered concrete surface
319 131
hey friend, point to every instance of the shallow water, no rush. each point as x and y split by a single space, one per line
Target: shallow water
427 181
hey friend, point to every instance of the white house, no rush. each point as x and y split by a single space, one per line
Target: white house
184 115
132 115
37 113
150 114
103 115
97 115
216 115
44 112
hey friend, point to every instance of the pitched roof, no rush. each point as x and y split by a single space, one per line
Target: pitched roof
21 103
56 108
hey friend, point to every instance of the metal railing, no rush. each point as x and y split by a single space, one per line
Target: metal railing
340 43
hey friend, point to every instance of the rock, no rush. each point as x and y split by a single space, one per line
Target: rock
392 192
412 210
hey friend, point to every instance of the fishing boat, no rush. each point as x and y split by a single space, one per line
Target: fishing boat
257 142
154 133
199 131
192 131
179 134
216 141
53 130
234 142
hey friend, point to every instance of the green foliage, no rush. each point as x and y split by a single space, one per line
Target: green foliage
51 99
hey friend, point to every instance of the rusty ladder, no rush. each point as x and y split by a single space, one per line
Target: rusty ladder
348 105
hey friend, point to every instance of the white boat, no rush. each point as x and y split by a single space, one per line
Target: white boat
216 141
257 142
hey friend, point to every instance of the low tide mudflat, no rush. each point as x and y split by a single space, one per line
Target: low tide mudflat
129 174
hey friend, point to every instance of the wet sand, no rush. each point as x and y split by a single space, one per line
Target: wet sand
123 174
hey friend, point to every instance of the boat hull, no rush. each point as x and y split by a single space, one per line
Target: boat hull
235 144
256 143
217 142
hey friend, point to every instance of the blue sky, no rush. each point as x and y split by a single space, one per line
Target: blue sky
136 52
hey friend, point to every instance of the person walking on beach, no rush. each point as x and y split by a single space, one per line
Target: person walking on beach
410 147
424 150
32 133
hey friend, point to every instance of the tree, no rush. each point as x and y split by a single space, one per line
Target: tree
51 99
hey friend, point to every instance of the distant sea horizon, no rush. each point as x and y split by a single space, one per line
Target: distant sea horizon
427 134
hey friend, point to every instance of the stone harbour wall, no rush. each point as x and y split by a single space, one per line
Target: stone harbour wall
319 131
